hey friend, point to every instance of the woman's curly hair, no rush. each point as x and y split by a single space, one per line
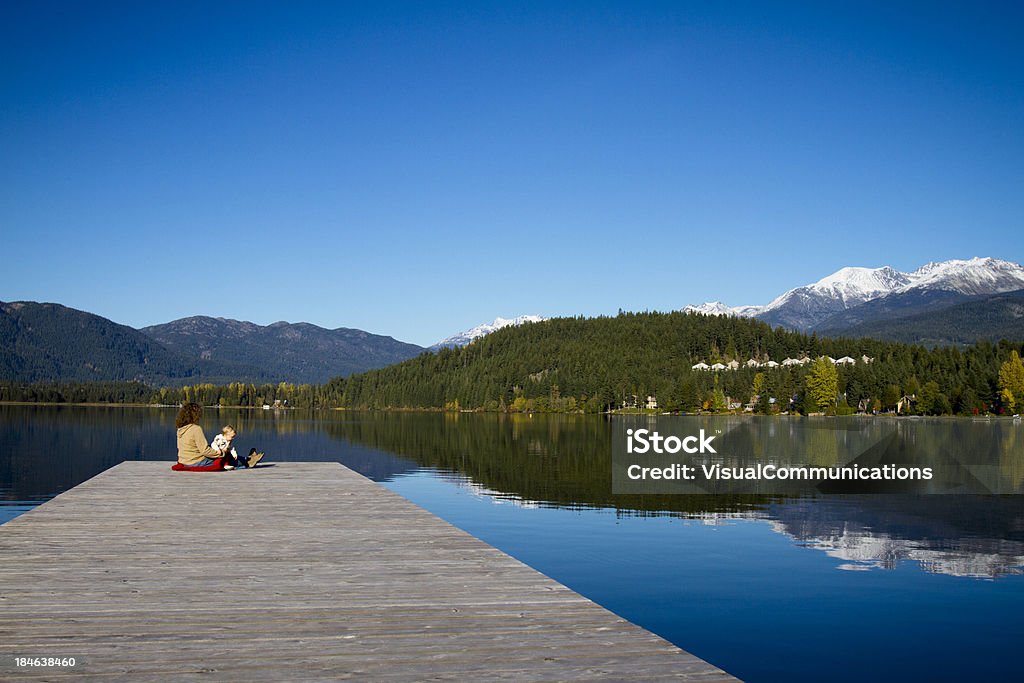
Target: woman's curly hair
189 414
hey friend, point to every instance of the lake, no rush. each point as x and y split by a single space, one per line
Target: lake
769 587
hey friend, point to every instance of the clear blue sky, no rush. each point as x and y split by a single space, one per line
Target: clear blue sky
415 169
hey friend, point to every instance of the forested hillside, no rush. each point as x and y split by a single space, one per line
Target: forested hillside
296 352
596 363
991 317
40 341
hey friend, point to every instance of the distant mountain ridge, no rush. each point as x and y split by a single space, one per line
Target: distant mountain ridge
474 333
991 317
51 342
854 295
303 352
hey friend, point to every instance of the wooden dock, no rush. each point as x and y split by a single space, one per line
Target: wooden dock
299 571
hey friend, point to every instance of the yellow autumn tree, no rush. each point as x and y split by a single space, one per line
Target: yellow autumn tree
823 383
1011 381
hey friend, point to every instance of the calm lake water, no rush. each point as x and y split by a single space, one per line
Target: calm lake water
829 587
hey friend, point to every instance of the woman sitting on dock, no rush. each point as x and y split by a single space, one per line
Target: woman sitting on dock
193 449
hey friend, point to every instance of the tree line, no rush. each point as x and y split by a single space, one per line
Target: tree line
593 365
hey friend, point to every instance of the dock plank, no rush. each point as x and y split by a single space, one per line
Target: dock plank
300 571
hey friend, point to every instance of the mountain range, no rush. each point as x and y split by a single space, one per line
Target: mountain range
855 299
299 352
50 342
951 302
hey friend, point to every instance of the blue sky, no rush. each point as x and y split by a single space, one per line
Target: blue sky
415 169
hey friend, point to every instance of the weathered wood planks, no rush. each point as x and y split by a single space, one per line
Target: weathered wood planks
300 571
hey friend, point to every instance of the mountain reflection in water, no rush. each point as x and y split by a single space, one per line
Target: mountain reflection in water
545 461
970 536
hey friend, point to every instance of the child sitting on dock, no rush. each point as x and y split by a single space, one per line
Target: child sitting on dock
222 443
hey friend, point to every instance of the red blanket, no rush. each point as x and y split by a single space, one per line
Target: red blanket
216 466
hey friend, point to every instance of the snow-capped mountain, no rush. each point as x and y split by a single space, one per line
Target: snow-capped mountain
463 338
850 286
805 307
972 276
718 308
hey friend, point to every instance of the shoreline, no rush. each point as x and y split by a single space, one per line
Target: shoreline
985 416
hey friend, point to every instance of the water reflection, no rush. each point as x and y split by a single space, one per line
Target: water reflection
969 536
563 461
